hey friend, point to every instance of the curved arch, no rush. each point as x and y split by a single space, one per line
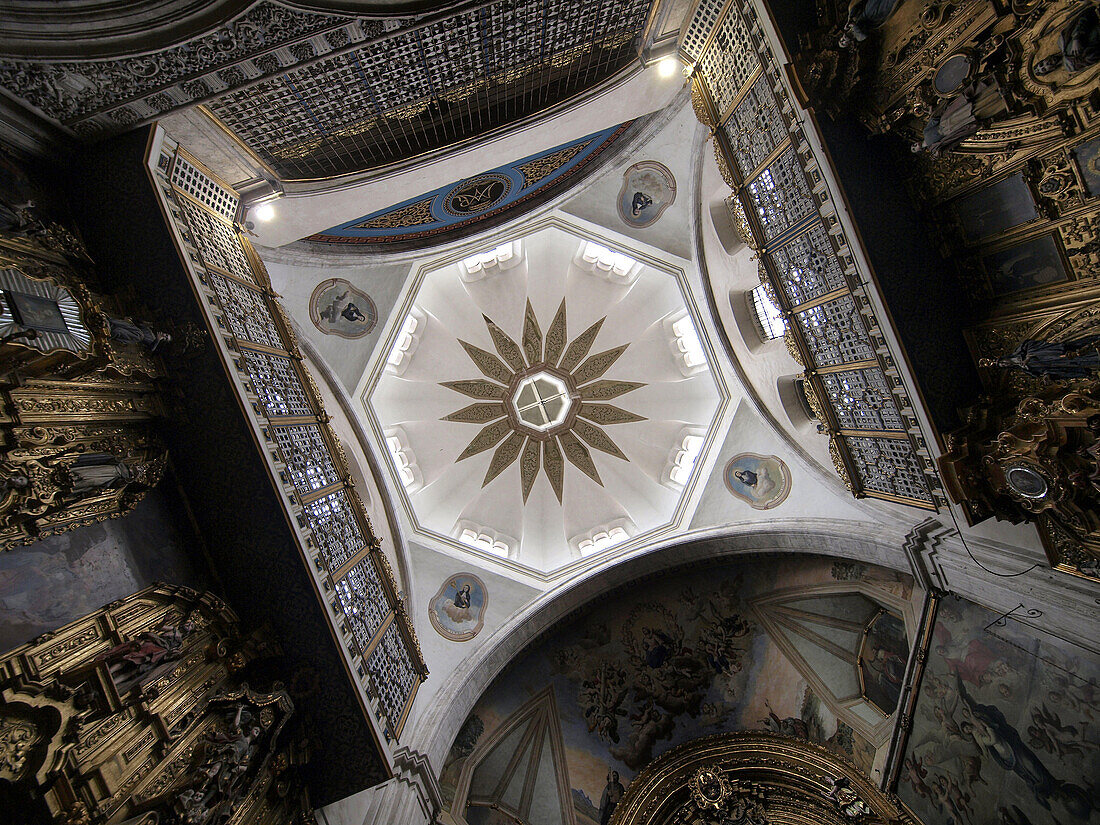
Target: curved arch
436 726
101 28
114 28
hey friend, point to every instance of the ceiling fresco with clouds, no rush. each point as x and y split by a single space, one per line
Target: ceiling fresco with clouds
667 659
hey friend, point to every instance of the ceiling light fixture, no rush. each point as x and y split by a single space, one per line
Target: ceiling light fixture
667 67
263 212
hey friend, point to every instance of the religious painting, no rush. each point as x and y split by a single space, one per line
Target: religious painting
995 208
1087 155
883 652
1033 263
648 190
655 663
338 308
1006 728
762 481
457 610
37 312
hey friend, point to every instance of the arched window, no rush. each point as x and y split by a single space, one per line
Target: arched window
769 320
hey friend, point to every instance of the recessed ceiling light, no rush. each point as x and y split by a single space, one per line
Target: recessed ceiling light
668 67
263 212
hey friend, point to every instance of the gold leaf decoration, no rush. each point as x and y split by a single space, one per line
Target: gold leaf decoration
555 336
529 467
579 456
508 349
603 390
476 414
412 215
580 346
506 453
532 336
598 438
488 363
487 438
554 466
608 414
535 170
477 388
598 364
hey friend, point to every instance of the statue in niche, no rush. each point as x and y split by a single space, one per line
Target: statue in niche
138 660
127 331
961 116
1079 45
1058 361
863 17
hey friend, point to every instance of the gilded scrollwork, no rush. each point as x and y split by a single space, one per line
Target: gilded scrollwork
754 779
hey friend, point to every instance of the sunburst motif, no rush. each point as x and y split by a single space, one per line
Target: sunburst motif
543 404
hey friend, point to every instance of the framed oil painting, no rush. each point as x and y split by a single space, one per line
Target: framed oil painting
648 190
338 308
995 208
457 610
762 481
1005 728
883 653
1033 263
1087 155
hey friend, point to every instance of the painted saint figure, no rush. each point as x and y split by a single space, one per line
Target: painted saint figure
458 608
640 202
997 738
612 795
330 312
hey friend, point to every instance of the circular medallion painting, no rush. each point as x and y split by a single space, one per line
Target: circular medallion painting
457 611
763 481
338 308
648 190
477 194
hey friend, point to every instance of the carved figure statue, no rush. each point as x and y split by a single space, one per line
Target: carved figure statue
128 332
863 17
131 662
847 801
1078 45
961 116
1058 361
93 472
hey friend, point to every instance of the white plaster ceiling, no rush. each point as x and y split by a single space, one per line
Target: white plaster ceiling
663 401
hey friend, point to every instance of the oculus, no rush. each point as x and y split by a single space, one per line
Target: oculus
540 401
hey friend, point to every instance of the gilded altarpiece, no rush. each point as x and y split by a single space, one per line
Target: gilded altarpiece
999 104
78 404
139 713
754 779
